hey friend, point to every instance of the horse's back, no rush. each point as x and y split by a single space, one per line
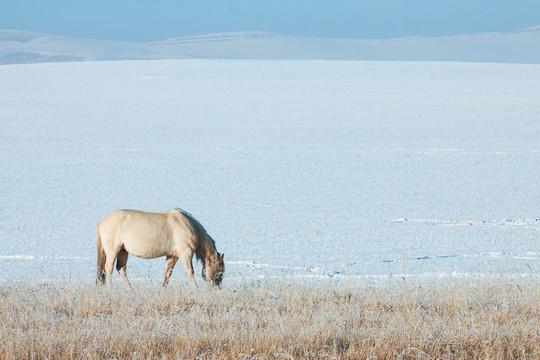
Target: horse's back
117 220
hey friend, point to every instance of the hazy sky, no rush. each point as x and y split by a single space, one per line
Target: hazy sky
161 19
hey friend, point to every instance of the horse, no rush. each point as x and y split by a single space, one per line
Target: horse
175 234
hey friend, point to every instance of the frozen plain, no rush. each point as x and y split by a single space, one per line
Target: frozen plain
307 169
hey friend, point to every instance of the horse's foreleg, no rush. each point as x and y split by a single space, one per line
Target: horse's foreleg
169 266
187 260
121 264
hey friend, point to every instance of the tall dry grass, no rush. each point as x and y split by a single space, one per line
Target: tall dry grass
482 320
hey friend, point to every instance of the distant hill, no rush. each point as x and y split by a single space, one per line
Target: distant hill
522 46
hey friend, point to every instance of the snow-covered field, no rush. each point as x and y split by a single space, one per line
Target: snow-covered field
316 169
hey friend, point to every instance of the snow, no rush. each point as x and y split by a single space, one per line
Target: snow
310 169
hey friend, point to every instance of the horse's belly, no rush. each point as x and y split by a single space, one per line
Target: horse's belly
147 250
145 254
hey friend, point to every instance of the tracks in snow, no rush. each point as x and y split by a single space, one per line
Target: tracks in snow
442 222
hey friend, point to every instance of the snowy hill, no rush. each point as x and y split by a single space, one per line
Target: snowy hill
522 46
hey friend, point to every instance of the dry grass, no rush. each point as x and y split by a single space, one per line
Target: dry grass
483 320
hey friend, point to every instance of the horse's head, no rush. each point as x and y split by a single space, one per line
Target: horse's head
214 269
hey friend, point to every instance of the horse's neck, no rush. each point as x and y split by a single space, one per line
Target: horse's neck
205 250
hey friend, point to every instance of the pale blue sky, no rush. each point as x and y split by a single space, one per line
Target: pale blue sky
160 19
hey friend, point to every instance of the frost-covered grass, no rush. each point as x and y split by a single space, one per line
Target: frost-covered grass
485 319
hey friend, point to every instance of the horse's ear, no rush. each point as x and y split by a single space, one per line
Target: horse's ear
221 257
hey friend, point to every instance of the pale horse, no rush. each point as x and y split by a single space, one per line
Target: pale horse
175 234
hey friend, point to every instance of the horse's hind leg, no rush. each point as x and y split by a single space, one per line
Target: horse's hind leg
109 265
169 266
121 262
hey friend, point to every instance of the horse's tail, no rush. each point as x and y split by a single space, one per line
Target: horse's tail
100 258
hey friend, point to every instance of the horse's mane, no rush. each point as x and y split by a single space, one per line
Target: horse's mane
201 233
